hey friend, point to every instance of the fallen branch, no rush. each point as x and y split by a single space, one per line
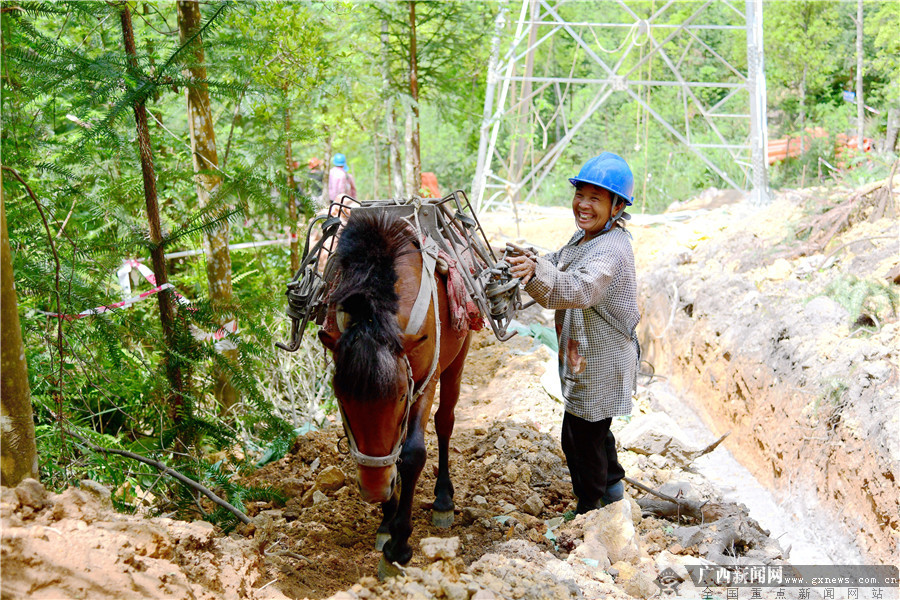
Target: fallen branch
711 447
670 506
168 471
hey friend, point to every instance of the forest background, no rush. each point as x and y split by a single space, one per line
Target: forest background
137 130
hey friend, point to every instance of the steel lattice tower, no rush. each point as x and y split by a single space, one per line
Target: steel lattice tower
723 116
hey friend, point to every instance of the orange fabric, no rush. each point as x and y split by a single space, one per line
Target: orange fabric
783 148
430 184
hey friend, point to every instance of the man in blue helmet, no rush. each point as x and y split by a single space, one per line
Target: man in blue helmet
340 182
590 282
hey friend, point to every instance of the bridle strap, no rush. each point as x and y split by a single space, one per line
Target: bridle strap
381 461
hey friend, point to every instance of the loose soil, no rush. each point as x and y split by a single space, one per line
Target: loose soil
726 315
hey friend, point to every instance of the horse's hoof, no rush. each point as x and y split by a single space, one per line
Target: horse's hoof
442 519
386 569
381 539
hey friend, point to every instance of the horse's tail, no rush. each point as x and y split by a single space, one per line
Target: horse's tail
366 354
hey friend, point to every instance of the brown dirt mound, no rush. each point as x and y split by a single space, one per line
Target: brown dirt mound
73 545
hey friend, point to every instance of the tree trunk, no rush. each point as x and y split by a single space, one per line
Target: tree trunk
803 102
860 101
394 157
291 184
18 454
409 171
174 372
394 163
893 125
206 161
413 126
326 169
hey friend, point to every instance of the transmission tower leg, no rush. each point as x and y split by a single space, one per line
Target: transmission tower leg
481 165
756 86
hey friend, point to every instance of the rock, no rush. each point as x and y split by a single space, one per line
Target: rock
293 486
454 591
658 461
689 536
330 479
510 473
318 497
525 474
825 312
534 505
613 528
640 586
635 509
435 548
591 549
681 490
500 443
344 595
634 581
416 590
479 500
484 594
489 460
473 513
98 490
657 433
31 493
622 570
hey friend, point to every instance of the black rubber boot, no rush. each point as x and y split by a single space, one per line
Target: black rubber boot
613 493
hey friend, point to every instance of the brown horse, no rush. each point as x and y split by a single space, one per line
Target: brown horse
386 375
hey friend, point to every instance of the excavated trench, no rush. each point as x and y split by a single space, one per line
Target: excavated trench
740 324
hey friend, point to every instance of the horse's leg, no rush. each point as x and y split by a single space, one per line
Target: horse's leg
444 419
388 510
412 460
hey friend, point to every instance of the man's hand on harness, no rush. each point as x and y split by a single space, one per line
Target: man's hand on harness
522 262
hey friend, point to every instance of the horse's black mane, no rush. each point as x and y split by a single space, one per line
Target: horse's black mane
365 357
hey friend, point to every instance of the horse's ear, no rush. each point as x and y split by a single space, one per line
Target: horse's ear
328 339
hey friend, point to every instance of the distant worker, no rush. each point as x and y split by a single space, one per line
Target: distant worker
340 181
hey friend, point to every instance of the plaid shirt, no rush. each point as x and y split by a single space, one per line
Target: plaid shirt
598 362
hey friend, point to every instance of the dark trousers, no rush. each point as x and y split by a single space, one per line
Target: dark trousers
590 450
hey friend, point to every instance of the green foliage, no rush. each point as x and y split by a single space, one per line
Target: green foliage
67 118
864 299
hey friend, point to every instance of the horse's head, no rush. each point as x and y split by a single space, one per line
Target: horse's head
374 391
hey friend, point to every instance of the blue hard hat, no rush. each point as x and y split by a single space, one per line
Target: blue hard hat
609 171
339 160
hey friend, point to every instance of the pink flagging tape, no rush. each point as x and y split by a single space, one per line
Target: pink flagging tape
124 276
124 272
202 336
102 309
